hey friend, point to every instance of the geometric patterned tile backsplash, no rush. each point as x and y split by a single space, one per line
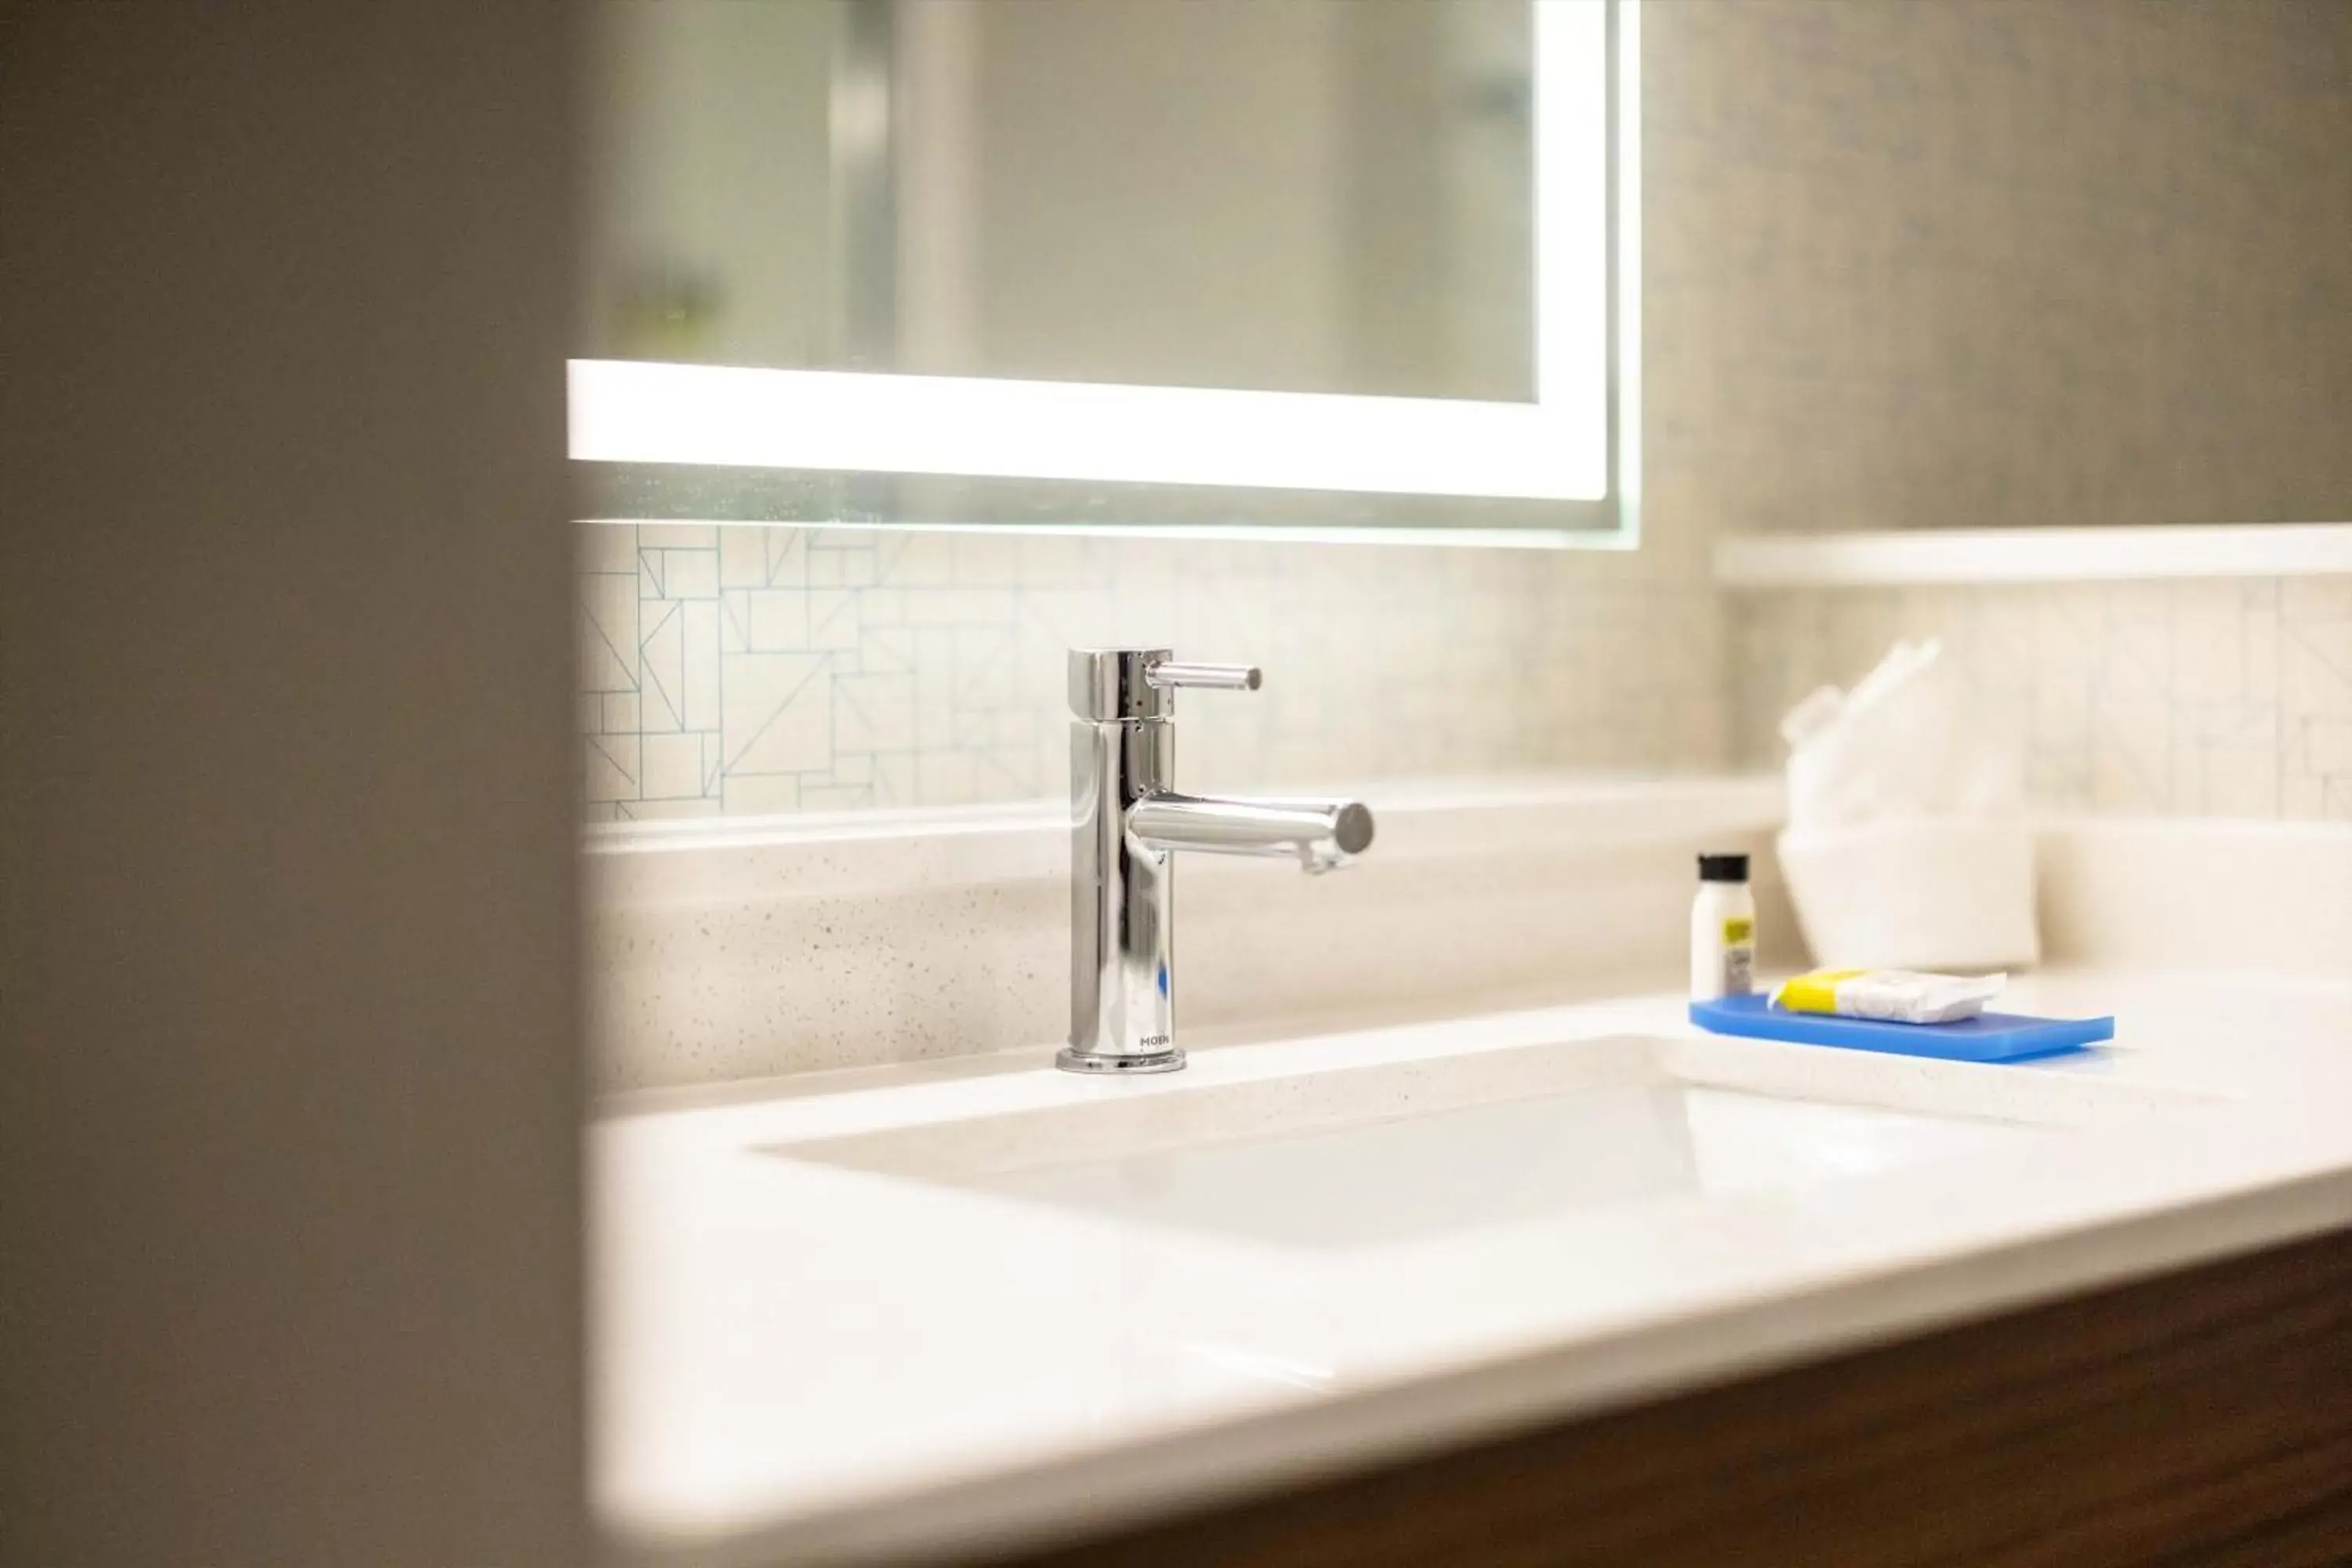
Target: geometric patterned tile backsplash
2197 698
755 669
751 670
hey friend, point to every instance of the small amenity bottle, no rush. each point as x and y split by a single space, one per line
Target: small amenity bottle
1723 929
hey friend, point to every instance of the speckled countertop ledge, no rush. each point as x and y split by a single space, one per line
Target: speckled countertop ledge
750 949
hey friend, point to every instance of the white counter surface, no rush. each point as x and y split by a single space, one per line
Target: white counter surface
802 1361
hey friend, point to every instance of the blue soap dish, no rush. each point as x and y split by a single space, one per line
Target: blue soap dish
1987 1037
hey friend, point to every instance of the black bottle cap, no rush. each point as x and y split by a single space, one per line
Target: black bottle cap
1723 867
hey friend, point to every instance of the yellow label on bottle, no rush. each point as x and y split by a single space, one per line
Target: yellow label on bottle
1738 929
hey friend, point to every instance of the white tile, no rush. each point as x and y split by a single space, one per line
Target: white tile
786 552
2222 779
1004 774
887 650
2315 706
690 573
2258 614
778 714
2131 758
957 606
608 633
2136 659
2059 778
936 681
698 675
2208 651
970 728
916 560
2326 746
661 667
875 712
894 779
832 618
947 778
760 796
2315 780
882 606
2315 660
673 767
778 620
666 810
743 557
2317 599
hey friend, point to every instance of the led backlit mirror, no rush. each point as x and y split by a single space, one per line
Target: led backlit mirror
1349 267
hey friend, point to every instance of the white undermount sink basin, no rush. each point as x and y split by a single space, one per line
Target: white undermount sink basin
1355 1155
820 1305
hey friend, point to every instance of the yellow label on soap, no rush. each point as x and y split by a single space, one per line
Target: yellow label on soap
1814 993
1739 929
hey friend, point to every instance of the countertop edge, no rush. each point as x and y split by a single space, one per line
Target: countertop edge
1135 1481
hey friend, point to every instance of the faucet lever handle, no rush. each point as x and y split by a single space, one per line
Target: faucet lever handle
1124 685
1169 673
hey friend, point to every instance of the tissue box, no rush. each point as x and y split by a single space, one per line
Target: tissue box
1925 893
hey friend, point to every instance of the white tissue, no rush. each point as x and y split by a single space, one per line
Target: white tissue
1906 743
1908 845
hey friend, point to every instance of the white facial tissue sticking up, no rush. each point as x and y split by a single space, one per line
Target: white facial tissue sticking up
1908 845
1906 743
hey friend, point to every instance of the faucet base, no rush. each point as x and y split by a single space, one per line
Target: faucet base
1069 1058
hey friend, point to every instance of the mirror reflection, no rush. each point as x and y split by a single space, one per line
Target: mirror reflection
1301 196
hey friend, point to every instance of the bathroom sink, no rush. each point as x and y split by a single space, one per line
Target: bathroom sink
1355 1155
974 1267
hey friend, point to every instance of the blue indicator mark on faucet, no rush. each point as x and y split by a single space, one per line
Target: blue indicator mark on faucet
1163 980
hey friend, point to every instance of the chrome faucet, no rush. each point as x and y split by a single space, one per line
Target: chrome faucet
1127 824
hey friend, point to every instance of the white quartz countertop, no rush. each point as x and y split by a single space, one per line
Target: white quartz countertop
801 1361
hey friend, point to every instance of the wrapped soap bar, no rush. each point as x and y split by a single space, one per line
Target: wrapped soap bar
1893 995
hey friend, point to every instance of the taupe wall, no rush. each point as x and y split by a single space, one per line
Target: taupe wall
288 1097
2005 263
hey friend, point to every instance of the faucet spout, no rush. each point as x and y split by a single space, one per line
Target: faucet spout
1321 834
